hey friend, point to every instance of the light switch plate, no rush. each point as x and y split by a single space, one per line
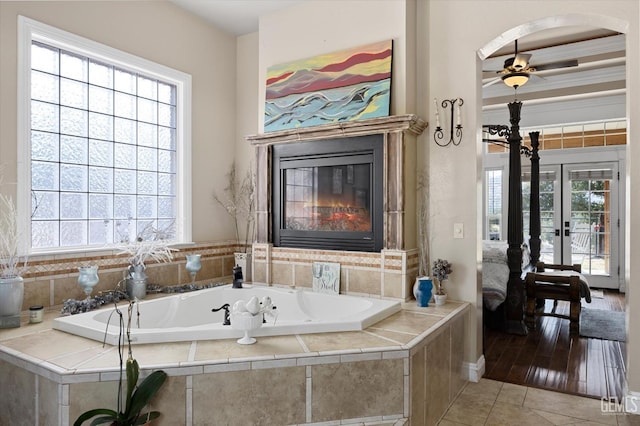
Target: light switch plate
458 230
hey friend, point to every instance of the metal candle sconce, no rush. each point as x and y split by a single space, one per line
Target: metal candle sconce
438 134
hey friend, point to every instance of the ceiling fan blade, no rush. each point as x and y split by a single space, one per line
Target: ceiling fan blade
521 61
491 82
554 65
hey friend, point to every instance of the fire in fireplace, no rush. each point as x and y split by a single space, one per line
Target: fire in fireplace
328 194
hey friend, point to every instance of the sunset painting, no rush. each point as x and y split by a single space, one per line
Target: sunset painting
352 84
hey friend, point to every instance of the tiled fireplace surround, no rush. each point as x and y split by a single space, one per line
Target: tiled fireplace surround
389 273
404 370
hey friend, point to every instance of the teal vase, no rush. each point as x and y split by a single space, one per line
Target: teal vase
422 290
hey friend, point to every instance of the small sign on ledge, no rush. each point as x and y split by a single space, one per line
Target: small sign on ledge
326 277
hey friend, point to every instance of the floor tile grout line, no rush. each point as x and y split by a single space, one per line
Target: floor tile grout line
494 403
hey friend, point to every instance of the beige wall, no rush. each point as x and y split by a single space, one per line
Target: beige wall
246 105
163 33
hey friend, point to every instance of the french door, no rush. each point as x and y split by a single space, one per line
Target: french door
579 213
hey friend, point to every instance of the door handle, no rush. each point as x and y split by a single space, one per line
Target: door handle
557 232
567 232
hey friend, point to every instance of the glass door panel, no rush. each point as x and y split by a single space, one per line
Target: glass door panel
590 223
549 214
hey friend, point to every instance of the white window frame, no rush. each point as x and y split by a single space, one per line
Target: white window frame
29 31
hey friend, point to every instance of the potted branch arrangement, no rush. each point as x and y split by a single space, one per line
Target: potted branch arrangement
149 245
441 270
11 265
138 395
238 200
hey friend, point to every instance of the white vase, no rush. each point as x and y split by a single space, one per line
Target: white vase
11 295
246 322
244 261
88 278
441 299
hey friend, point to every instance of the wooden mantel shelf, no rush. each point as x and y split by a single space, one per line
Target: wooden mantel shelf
394 123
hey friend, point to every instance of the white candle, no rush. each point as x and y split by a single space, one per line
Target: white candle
435 103
458 116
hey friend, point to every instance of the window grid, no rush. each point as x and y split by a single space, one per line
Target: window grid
75 191
299 194
605 133
494 204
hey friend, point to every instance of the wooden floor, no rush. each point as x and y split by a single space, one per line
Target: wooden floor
550 358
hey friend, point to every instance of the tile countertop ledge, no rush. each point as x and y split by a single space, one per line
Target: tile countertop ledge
66 358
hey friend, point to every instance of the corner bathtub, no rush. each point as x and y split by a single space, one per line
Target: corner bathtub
188 316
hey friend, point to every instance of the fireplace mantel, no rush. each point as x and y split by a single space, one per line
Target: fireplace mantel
399 133
396 123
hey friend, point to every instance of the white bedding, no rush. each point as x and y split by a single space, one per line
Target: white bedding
495 271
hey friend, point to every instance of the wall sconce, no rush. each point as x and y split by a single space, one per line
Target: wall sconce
438 134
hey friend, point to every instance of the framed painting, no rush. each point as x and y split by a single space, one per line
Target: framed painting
347 85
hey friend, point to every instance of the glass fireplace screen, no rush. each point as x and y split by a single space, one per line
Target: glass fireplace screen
328 198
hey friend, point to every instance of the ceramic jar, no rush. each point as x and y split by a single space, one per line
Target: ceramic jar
422 290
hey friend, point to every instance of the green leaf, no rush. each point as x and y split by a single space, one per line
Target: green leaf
145 392
92 413
102 420
133 370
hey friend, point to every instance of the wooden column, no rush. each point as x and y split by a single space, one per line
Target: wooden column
514 305
534 214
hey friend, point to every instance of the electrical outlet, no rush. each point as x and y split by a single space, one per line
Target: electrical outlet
458 230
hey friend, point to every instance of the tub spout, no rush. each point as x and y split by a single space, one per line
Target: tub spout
227 320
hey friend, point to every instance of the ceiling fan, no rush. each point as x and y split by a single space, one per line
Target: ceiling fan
517 69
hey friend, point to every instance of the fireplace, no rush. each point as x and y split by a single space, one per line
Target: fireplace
391 204
328 194
370 186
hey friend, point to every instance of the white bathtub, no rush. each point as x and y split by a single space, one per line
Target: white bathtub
188 316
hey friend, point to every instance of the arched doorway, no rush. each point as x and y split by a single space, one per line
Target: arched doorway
556 27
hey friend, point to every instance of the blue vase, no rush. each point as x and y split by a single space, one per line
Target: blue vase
422 290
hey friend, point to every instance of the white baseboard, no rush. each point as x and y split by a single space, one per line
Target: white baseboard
474 372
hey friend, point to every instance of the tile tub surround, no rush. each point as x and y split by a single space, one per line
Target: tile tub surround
388 274
52 279
406 368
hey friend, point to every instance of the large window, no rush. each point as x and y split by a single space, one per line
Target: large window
106 143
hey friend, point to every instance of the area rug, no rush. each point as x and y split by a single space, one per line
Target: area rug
601 324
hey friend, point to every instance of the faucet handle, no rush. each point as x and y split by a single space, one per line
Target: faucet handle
227 320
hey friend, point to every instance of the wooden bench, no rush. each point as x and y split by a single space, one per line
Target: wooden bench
539 286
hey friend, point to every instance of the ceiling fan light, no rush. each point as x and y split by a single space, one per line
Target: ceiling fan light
515 79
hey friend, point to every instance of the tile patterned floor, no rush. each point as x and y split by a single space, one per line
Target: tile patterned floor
489 402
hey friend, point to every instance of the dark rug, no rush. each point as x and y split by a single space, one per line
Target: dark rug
601 324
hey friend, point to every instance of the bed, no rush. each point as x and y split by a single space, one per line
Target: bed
508 264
